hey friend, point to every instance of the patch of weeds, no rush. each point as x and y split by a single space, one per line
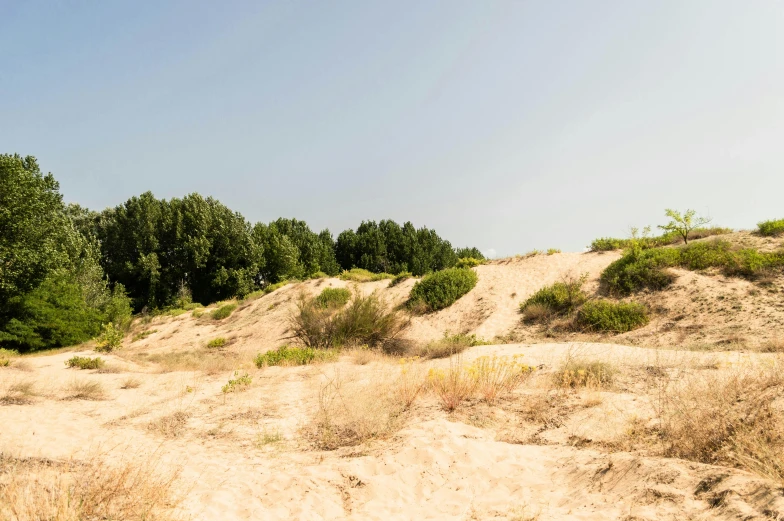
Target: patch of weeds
333 298
362 275
238 383
288 356
553 251
771 228
581 373
605 316
143 335
217 343
496 375
171 426
85 390
110 339
442 289
6 355
223 311
85 362
447 346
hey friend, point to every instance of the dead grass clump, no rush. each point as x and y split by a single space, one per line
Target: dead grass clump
208 361
38 489
774 345
352 412
19 393
453 385
130 383
496 376
410 383
171 425
582 373
85 390
728 419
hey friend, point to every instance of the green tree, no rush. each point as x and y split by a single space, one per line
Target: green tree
683 224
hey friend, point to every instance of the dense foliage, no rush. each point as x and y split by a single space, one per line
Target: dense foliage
52 289
441 289
612 317
560 298
771 228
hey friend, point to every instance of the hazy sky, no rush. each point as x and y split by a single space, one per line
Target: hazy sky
507 125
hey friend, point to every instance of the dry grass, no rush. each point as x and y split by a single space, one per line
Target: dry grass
19 393
38 489
725 418
130 383
365 356
575 372
410 383
207 361
351 412
774 345
453 385
496 376
445 347
170 426
85 390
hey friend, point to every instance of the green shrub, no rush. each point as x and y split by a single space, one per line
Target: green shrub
560 298
400 277
223 311
468 262
612 317
609 244
333 297
771 228
111 338
645 242
84 362
553 251
441 289
285 355
319 275
643 269
361 275
217 342
365 320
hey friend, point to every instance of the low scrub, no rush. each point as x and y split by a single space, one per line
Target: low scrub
670 238
553 251
447 346
217 343
400 277
725 419
364 320
110 339
288 356
640 269
240 382
362 275
42 489
143 335
772 228
605 316
561 298
333 298
469 262
223 311
85 362
6 355
442 289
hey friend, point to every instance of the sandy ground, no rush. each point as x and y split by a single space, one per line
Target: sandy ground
250 455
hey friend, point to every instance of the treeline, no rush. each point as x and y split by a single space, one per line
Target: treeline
65 269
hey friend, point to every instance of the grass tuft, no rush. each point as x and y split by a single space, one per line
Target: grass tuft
85 362
288 356
223 311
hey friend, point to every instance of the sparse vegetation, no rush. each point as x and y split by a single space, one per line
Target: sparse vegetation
645 242
442 289
171 425
605 316
561 298
332 298
771 228
286 355
553 251
447 346
496 375
85 390
19 393
216 343
575 372
240 382
131 383
6 355
223 311
453 385
469 262
143 335
85 362
364 320
363 275
683 224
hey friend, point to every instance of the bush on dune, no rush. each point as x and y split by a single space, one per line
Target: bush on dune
605 316
561 298
442 289
771 228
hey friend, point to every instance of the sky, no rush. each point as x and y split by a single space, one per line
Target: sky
505 125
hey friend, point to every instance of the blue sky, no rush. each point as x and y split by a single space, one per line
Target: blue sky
507 125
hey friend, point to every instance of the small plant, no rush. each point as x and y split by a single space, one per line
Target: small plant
238 383
273 287
400 277
410 383
333 298
223 311
85 362
553 251
453 385
6 355
579 373
447 346
771 228
285 355
143 335
130 383
216 343
171 426
19 393
5 362
468 262
561 298
110 339
442 289
498 375
361 275
605 316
